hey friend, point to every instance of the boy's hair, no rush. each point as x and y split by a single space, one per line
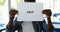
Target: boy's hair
30 0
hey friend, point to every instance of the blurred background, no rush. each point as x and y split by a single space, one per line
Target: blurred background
6 5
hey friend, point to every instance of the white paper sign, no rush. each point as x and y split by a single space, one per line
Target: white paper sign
30 12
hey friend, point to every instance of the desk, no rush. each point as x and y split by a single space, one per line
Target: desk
56 25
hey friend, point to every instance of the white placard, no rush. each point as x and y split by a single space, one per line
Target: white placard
30 12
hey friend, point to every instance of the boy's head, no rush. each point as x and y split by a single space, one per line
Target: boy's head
30 0
47 12
13 12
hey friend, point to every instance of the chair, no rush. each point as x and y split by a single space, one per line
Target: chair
2 27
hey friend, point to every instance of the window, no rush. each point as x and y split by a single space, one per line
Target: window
14 3
1 4
4 9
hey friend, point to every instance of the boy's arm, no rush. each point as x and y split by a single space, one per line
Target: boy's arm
10 23
48 14
50 26
12 14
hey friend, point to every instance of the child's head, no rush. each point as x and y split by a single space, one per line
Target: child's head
30 0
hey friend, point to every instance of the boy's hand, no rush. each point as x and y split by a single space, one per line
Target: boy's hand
13 13
47 12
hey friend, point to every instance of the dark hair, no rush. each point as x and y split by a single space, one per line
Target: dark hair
30 0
